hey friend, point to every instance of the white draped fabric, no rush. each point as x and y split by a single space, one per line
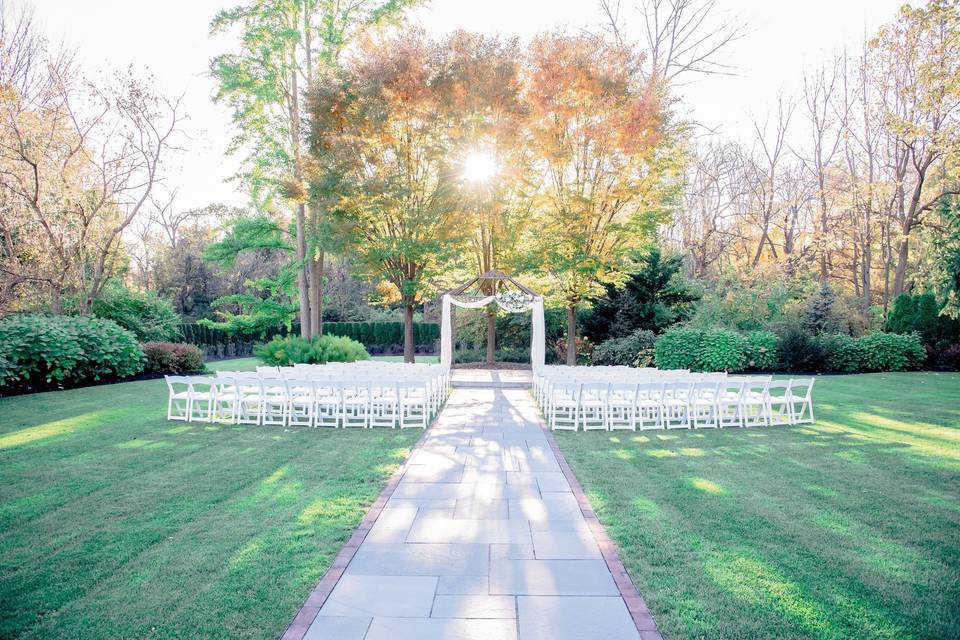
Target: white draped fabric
537 338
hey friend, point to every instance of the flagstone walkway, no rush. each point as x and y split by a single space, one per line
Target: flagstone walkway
482 539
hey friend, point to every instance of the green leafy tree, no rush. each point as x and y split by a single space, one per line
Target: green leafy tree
654 297
281 46
820 314
268 302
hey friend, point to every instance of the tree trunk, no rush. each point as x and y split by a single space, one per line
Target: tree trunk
408 333
316 295
302 285
900 274
571 335
491 336
56 300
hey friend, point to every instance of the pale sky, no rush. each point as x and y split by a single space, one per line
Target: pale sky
170 40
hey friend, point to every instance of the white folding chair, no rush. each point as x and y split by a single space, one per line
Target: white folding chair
273 407
779 409
384 409
328 409
592 406
562 401
249 399
301 400
178 401
225 399
356 404
702 401
622 406
754 403
729 397
202 397
649 405
675 406
801 400
412 404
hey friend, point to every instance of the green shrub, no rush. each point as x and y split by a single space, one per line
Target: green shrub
150 318
170 357
679 348
284 351
797 349
722 350
635 350
760 347
337 349
294 349
841 353
892 351
65 350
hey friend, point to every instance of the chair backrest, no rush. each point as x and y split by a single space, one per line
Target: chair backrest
755 386
802 387
732 387
175 380
269 372
204 383
300 386
650 390
624 390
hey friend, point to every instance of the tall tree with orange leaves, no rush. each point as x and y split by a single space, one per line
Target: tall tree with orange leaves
599 133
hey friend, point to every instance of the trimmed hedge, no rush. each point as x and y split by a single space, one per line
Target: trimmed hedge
294 349
60 351
369 334
794 350
170 357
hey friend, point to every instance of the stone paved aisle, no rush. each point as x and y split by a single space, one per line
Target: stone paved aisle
481 540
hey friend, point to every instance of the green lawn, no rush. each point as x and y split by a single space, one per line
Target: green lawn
849 528
115 523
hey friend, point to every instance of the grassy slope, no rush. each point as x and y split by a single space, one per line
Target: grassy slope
116 523
846 529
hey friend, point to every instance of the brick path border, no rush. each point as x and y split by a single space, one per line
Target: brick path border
311 607
636 605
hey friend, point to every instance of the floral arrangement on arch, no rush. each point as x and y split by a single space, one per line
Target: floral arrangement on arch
514 301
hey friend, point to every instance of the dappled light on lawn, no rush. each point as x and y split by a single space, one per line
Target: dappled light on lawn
843 528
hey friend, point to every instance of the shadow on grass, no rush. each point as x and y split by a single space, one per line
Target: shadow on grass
845 528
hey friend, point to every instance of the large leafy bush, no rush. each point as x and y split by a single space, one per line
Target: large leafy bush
798 350
150 318
169 357
760 347
294 349
722 350
679 348
65 350
636 350
841 353
892 351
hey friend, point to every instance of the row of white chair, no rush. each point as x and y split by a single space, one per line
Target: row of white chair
666 403
314 398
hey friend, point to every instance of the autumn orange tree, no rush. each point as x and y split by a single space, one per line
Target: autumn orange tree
482 79
599 136
382 138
